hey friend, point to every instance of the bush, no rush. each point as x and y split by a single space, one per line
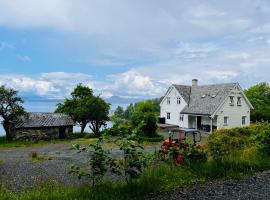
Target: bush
144 116
262 137
227 143
119 130
157 138
79 135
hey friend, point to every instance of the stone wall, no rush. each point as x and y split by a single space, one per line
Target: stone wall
47 133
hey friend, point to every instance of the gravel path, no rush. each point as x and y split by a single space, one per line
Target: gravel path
19 171
249 188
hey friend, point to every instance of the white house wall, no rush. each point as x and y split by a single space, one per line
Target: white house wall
234 113
173 108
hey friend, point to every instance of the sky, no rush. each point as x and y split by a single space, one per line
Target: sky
131 48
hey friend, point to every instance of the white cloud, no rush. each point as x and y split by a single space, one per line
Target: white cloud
24 58
6 45
134 84
27 84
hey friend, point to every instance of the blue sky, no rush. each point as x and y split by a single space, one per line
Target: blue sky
131 48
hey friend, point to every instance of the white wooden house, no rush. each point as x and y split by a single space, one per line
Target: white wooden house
206 107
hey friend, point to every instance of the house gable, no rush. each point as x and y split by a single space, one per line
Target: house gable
171 110
177 92
236 92
233 112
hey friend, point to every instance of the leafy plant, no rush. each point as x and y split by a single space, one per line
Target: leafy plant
133 161
97 164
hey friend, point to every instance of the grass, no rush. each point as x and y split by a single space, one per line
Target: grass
159 178
22 143
35 157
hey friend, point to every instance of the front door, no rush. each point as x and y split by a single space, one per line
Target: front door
62 132
199 122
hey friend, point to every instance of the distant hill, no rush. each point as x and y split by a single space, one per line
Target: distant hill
121 100
111 100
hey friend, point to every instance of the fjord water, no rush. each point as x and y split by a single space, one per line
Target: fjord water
49 106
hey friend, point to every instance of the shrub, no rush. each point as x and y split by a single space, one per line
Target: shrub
133 162
98 163
145 118
119 129
157 138
226 143
262 137
223 142
35 157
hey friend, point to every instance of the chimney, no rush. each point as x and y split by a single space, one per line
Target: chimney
194 82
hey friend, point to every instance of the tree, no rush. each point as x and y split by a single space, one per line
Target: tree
11 108
129 111
76 106
86 108
98 114
119 112
259 96
144 113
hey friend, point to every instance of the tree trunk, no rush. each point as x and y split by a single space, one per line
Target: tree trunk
83 127
6 125
94 127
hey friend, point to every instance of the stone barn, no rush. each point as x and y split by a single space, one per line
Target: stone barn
43 126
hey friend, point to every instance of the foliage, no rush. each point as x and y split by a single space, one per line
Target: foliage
129 112
262 137
76 107
119 129
11 109
133 161
86 108
119 112
159 177
259 96
144 113
86 135
185 153
226 143
98 114
35 157
98 162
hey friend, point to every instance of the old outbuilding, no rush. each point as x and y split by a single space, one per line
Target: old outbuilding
38 126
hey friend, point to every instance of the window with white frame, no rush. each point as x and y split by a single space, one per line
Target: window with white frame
178 100
225 121
231 100
244 120
239 101
168 115
168 100
181 118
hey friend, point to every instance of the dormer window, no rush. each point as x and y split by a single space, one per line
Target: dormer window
178 100
168 100
239 102
231 100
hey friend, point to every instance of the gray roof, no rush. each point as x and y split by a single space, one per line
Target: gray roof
204 99
39 120
184 90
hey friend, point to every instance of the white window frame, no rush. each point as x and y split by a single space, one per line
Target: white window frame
231 100
178 100
168 100
181 117
225 120
239 101
168 115
244 119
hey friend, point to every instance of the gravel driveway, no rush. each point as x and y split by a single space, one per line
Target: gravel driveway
249 188
19 171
